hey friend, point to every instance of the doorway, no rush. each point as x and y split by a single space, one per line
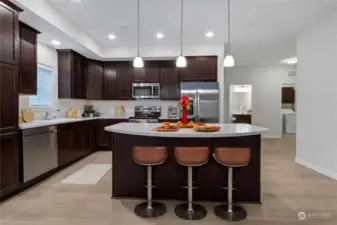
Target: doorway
240 104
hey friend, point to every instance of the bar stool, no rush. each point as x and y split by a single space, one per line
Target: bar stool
231 158
191 157
149 156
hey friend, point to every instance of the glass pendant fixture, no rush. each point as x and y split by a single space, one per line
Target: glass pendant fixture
181 60
229 59
138 61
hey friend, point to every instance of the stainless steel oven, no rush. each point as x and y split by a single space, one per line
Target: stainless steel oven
145 90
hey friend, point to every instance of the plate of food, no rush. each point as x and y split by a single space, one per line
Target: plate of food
166 128
205 128
188 125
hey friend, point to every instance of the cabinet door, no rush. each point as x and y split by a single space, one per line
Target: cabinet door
9 35
105 137
207 68
288 95
78 148
110 81
65 145
139 75
95 80
190 72
76 76
124 80
169 82
9 162
152 71
84 77
28 60
8 98
93 135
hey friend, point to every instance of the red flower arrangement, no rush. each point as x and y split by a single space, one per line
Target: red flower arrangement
185 105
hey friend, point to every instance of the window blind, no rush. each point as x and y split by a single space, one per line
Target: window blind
44 87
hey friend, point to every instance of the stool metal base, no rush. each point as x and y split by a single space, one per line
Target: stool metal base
158 209
198 213
238 213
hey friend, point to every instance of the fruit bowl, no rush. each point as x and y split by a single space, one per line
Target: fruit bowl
204 128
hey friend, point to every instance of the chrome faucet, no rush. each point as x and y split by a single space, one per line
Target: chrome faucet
50 113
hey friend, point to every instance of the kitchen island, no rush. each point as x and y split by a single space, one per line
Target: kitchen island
128 178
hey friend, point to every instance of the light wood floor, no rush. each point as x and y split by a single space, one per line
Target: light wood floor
288 188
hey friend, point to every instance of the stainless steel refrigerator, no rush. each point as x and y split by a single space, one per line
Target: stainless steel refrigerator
204 97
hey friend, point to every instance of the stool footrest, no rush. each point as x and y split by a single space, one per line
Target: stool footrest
194 185
226 188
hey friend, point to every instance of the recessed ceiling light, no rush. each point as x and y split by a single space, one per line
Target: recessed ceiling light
54 42
78 1
290 60
111 36
160 35
209 34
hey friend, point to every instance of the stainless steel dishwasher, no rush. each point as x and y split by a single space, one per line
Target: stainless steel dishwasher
39 151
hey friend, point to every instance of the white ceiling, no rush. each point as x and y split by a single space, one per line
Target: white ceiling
264 27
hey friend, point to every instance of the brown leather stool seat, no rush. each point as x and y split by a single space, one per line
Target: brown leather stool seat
231 157
149 156
234 157
191 157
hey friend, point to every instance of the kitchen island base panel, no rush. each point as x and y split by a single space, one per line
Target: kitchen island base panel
128 178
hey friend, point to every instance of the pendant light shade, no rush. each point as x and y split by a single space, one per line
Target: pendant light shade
138 61
181 60
229 61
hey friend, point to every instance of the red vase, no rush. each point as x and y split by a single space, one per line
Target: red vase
184 118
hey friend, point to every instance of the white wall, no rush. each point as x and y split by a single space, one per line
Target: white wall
316 95
266 95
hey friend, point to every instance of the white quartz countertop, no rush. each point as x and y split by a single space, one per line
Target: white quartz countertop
43 123
227 130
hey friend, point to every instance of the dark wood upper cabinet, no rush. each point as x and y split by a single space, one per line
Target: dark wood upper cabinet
9 33
288 95
8 98
169 81
148 74
72 72
139 75
124 80
28 59
9 163
95 80
190 72
110 81
207 68
152 71
199 68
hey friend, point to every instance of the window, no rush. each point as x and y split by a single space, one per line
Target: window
44 96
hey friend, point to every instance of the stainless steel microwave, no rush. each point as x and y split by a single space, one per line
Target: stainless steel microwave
146 90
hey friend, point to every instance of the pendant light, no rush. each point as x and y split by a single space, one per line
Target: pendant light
181 60
138 61
229 59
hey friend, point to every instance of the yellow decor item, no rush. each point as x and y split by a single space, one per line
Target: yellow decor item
27 115
70 113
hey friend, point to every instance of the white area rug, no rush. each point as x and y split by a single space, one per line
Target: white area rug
90 174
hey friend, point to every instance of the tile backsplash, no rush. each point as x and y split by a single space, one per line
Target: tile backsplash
105 108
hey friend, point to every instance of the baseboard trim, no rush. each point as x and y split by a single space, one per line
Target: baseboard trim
316 168
271 136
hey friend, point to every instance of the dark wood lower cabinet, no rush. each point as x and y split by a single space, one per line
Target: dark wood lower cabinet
105 141
9 163
74 141
242 118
